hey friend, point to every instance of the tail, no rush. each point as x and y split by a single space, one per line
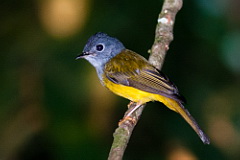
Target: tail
179 108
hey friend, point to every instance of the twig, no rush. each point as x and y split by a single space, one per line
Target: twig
164 32
163 37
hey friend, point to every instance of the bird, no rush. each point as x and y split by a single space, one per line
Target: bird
129 75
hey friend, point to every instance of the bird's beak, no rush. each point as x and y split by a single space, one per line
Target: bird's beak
82 55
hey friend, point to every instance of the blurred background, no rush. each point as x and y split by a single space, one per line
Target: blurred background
53 107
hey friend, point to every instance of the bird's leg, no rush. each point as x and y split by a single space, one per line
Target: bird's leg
130 111
131 103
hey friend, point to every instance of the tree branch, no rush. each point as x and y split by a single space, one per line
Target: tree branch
163 37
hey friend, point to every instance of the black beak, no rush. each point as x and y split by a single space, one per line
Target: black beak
82 55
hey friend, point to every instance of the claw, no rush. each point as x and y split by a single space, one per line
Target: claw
127 118
128 115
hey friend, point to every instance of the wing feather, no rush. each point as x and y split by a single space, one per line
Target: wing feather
131 69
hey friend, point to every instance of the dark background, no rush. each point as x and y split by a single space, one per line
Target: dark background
53 107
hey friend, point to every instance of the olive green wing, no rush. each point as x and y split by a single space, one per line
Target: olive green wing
131 69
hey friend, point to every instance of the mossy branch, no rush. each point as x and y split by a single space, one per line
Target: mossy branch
163 37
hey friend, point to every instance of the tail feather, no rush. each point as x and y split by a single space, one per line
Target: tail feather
179 108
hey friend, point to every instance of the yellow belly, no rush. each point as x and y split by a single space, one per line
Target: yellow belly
130 93
137 95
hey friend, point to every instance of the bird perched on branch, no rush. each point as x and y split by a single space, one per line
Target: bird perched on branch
131 76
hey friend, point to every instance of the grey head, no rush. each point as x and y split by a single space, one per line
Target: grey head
100 48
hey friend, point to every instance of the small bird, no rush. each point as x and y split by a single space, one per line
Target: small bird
131 76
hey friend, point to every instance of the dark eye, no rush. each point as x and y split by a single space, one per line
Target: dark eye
99 47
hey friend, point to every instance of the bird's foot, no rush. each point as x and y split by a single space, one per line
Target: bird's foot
130 103
127 119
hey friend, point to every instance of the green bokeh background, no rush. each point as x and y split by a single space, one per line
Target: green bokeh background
53 107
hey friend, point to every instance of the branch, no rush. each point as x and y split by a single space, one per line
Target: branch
164 32
163 37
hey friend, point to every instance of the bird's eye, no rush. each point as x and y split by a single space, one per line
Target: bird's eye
99 47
